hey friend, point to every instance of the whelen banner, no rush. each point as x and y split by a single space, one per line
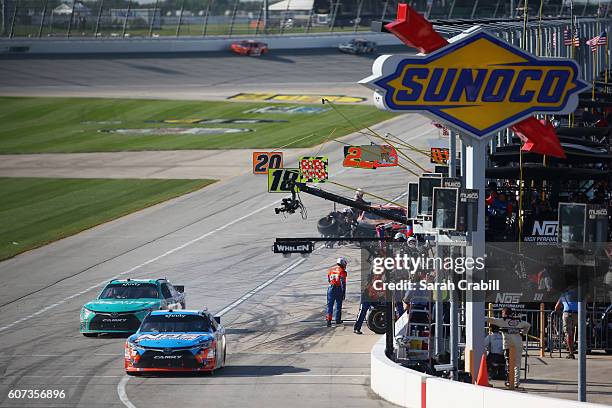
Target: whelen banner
478 84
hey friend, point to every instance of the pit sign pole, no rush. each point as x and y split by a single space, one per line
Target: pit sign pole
476 154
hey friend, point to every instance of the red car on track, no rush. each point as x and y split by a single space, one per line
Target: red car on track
249 47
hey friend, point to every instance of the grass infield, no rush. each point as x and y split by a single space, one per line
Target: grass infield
36 211
67 125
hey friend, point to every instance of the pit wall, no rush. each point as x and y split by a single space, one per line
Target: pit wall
77 45
412 389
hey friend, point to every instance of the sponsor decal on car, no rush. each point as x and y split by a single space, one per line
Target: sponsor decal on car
280 110
272 97
169 336
177 131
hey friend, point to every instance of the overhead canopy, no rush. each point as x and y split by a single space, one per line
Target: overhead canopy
539 172
292 5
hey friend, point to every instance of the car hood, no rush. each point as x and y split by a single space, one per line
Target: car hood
124 305
170 340
347 45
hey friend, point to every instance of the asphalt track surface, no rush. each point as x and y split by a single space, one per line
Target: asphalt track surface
217 242
187 76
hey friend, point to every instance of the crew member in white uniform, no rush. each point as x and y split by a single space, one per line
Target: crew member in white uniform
511 328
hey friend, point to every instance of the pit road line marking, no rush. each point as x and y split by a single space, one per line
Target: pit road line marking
169 252
122 394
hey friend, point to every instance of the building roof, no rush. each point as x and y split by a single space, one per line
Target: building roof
292 5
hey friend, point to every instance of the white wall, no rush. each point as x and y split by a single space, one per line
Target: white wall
183 44
407 388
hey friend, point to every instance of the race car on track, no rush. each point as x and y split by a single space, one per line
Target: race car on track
123 304
358 46
183 340
249 47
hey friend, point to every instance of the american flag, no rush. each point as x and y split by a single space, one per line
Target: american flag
603 38
576 39
593 43
596 41
566 37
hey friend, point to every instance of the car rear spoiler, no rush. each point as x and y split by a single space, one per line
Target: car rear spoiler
180 288
218 319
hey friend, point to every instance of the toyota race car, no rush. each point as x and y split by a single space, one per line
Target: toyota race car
184 340
123 304
249 47
358 46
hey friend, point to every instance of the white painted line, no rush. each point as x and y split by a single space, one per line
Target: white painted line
122 394
132 269
321 375
274 278
262 286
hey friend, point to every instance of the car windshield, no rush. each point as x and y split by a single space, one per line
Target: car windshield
131 290
175 323
391 211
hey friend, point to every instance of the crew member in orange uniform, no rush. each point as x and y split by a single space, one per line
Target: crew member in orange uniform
336 290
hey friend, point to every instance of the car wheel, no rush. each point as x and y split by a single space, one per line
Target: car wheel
376 320
90 334
608 351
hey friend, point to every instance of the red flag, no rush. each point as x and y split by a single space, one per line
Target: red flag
415 31
539 137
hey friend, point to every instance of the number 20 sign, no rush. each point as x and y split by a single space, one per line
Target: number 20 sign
314 169
262 161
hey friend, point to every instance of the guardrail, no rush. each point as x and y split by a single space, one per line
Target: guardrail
170 44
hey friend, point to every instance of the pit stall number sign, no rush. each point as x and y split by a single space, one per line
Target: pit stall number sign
313 169
281 180
262 161
438 155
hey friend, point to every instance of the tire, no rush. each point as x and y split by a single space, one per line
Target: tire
327 226
133 373
375 320
608 351
90 334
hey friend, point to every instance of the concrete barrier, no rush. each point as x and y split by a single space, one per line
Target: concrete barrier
397 384
442 393
412 389
171 45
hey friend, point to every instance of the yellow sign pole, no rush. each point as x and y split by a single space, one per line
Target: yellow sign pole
594 74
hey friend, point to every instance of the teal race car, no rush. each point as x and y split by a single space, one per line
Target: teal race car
123 304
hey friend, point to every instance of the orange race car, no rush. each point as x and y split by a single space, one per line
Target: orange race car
249 47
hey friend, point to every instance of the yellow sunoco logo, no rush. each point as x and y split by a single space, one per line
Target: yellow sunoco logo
479 84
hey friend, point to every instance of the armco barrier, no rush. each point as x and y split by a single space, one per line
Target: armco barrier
170 44
412 389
